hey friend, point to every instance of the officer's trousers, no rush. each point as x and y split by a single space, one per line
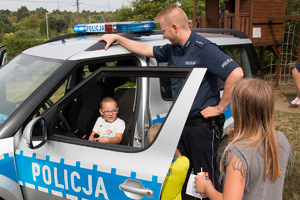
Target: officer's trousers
200 144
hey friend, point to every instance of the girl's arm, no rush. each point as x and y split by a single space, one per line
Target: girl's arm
234 184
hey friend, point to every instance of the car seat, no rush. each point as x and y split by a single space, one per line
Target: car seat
85 109
125 97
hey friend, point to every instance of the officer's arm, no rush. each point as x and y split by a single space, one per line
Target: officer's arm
234 76
133 46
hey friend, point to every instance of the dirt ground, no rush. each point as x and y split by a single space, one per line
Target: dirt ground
283 98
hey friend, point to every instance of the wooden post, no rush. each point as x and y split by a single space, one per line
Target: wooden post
261 55
226 20
237 15
276 52
277 73
194 13
203 20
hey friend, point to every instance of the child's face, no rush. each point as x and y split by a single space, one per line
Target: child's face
109 111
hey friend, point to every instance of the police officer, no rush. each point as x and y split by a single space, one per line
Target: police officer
200 137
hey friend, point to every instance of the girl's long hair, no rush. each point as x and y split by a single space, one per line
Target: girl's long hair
252 107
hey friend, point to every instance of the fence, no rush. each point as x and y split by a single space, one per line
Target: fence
289 51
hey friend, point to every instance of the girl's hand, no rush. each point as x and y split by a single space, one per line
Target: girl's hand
201 184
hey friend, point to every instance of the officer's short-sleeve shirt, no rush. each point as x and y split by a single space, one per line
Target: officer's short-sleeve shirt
198 52
298 67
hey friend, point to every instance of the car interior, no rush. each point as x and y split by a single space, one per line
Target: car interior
77 118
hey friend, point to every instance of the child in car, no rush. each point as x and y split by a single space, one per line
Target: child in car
177 172
108 127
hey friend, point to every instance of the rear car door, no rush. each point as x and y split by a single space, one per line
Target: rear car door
53 162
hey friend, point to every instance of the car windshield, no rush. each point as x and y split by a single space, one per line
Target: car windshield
19 79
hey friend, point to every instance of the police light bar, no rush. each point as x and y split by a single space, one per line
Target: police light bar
135 27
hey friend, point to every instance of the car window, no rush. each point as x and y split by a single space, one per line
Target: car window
139 108
20 78
240 54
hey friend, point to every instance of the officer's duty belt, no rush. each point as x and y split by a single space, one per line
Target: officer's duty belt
199 121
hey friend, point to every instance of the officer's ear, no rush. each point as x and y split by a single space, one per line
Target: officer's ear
175 27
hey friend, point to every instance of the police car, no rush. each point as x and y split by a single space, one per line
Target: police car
49 102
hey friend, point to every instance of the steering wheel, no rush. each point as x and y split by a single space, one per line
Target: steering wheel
62 122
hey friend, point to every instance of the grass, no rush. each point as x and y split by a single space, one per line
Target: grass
289 124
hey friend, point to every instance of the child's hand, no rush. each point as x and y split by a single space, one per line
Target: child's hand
230 134
101 139
201 184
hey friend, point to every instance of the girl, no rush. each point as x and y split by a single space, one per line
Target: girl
255 161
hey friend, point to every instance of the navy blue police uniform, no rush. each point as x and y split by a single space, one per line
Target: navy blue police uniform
298 67
198 141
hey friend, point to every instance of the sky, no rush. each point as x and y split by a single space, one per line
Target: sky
68 5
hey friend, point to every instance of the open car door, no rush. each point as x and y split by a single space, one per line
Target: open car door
2 55
53 163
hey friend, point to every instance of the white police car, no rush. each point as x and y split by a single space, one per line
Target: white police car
49 101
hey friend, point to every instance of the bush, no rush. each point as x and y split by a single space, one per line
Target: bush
20 41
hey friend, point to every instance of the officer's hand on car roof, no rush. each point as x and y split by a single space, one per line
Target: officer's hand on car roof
109 39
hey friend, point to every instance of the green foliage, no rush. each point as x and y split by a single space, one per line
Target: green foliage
292 7
22 13
26 34
20 41
29 23
58 25
41 12
43 27
148 9
61 22
187 7
123 14
5 24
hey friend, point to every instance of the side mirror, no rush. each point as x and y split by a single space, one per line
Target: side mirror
35 133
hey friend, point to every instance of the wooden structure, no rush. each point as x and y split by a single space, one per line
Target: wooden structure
261 20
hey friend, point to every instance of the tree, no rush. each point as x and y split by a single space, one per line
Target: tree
57 25
29 23
187 7
41 12
43 27
124 14
60 25
292 7
20 41
148 9
22 13
5 24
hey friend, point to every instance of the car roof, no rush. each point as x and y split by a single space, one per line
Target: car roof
85 47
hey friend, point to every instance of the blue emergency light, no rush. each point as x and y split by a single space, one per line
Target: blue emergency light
120 27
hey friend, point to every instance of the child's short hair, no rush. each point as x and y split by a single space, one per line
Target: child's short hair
153 132
106 100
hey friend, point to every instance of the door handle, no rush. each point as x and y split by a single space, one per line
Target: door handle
134 189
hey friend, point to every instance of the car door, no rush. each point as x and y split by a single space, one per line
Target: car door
9 186
54 165
2 55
